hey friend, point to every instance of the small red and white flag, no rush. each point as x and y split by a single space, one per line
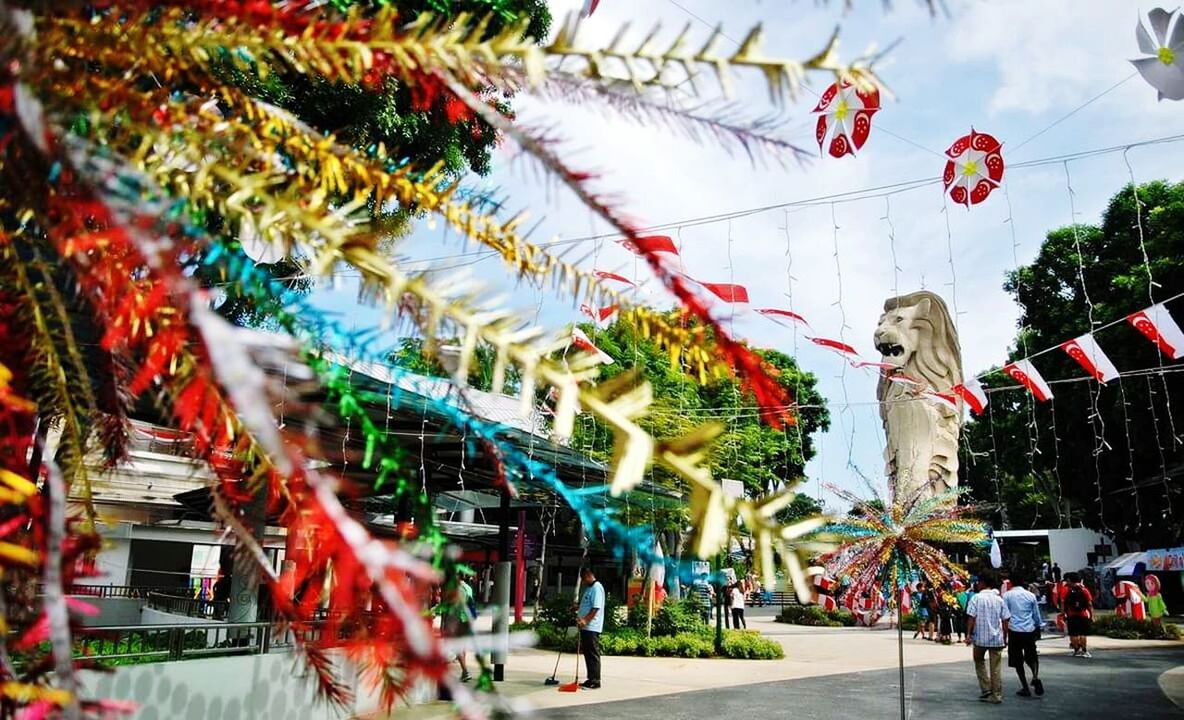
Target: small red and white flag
599 315
946 400
906 601
872 364
972 394
727 292
826 602
1157 325
836 345
1089 355
580 340
902 379
589 8
1026 374
778 315
651 244
606 275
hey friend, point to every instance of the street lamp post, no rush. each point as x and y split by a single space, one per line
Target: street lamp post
719 609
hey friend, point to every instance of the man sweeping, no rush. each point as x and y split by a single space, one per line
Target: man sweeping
590 618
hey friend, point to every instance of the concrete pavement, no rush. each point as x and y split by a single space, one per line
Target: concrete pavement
810 653
1114 683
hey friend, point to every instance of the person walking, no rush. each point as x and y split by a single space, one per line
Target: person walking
457 612
590 618
704 596
1077 603
1056 573
964 596
921 603
738 620
1024 625
987 632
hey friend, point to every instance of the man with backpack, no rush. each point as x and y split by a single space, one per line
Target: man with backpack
1077 603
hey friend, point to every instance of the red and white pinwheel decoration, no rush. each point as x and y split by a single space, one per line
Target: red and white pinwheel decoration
974 168
845 116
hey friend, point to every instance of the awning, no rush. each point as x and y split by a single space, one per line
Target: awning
1125 564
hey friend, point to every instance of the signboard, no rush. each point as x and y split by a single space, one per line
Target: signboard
1171 560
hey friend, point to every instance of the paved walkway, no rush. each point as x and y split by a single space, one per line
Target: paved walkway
809 653
1114 683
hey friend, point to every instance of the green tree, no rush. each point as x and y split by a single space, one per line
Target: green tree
1108 456
802 507
747 450
410 356
875 503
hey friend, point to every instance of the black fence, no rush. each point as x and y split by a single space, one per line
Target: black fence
121 591
188 606
133 644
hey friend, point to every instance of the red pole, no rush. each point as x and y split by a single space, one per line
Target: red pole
520 567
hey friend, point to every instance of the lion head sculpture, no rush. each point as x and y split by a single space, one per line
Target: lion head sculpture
916 335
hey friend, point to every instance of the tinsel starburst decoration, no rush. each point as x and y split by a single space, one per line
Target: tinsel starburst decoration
886 544
145 145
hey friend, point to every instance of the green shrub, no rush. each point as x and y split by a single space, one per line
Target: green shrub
815 616
751 645
614 613
670 618
558 612
553 638
687 644
624 641
845 617
912 621
1125 628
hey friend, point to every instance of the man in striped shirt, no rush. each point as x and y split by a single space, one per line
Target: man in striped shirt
987 616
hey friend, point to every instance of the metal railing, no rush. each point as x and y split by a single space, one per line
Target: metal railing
121 591
129 644
779 597
188 606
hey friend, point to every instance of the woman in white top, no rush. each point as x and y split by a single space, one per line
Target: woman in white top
737 597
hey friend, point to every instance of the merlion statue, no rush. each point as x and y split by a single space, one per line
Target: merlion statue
916 335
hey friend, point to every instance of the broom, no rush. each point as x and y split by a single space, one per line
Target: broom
574 685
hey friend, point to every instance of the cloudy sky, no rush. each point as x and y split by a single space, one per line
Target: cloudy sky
1011 68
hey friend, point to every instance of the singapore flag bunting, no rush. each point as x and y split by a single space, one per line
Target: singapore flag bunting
1026 374
1089 355
580 339
1157 324
651 244
972 394
727 292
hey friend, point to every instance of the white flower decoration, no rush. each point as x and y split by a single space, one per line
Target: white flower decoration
1164 70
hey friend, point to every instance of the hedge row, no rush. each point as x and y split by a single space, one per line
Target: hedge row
815 616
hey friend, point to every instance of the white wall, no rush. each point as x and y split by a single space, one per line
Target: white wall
152 616
113 611
256 687
1069 547
112 562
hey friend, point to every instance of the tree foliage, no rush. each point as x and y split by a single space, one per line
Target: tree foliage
1107 456
748 450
